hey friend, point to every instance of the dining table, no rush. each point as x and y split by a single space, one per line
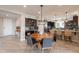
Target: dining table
39 37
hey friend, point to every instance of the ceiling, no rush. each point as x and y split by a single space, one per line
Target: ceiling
8 14
48 10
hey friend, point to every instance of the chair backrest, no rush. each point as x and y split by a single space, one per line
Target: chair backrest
59 32
68 33
29 40
52 31
47 43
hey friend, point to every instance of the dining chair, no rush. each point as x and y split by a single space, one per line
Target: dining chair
68 35
59 34
75 38
31 42
47 44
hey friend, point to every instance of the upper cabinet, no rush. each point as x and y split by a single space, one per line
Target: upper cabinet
31 24
75 20
72 24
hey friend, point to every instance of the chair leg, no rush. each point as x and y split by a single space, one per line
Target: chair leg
34 45
54 47
70 39
50 50
42 50
65 38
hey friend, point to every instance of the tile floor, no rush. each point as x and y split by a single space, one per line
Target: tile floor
11 44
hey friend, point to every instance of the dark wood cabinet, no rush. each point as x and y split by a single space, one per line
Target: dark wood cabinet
30 26
75 20
72 24
50 25
31 23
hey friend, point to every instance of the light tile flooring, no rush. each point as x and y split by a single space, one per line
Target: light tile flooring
11 44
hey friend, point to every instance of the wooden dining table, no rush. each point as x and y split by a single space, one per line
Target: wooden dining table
39 37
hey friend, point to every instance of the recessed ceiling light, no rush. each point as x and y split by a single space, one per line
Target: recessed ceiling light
25 6
38 12
7 15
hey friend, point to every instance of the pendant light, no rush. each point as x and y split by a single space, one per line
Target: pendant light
41 20
66 20
41 12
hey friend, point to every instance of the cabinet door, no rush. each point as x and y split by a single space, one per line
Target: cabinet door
7 23
75 19
1 27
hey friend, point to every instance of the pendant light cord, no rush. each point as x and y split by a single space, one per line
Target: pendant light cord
41 11
66 15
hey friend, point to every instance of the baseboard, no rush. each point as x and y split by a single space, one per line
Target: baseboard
7 36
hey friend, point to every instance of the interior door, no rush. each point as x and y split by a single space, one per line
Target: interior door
7 23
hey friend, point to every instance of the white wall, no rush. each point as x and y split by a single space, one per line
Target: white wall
13 26
18 21
22 33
